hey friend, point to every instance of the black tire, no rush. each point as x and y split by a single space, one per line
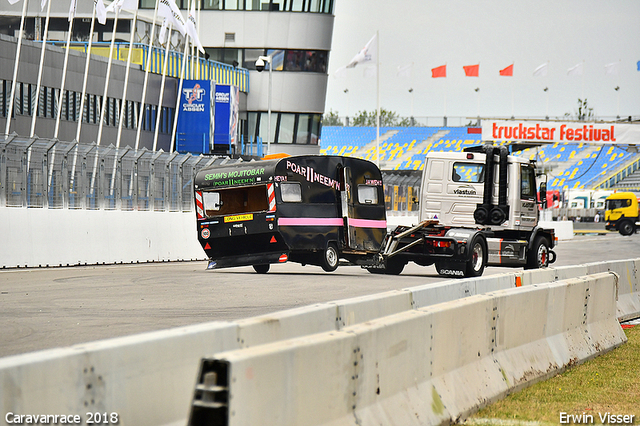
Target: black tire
330 258
538 255
626 227
394 266
477 259
262 268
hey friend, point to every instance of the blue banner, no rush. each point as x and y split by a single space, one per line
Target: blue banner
196 117
226 117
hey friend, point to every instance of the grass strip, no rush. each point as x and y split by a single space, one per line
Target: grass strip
609 383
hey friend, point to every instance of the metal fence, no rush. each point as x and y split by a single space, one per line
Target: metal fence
46 173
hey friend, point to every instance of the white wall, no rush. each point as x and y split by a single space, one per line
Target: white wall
60 237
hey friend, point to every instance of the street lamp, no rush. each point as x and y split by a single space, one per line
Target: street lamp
617 88
260 63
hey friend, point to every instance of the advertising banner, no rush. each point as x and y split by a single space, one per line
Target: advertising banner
227 105
196 117
567 132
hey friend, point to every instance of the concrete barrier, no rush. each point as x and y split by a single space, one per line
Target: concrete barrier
134 363
427 366
42 237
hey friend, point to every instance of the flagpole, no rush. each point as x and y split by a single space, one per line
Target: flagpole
106 80
160 99
86 72
146 75
197 50
179 95
15 70
38 85
378 98
172 143
445 100
64 75
126 78
582 81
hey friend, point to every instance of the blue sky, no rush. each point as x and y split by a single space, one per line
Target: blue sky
494 34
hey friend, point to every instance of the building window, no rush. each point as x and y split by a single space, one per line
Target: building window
303 129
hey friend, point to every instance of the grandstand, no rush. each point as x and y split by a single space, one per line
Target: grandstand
569 165
401 148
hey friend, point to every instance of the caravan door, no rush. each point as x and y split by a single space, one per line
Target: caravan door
363 210
346 203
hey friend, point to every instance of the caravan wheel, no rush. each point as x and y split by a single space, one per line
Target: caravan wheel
330 258
261 269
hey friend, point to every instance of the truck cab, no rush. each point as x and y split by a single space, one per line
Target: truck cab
477 208
453 185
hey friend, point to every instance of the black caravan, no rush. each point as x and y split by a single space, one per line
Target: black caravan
308 209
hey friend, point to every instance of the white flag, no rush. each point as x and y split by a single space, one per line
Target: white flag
162 37
43 3
169 10
575 70
191 27
72 10
13 1
404 71
611 69
367 54
101 11
541 70
123 4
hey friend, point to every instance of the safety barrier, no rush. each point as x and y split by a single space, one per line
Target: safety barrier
428 366
157 370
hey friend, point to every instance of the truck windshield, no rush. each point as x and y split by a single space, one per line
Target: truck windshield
235 200
617 204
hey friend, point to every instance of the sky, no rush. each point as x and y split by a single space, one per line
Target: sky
493 34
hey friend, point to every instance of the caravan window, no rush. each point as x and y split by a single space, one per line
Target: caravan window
246 199
291 192
367 194
211 201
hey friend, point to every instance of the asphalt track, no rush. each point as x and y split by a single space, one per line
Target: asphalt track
57 307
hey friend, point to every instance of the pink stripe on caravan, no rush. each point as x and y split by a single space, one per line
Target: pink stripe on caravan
310 221
367 223
330 221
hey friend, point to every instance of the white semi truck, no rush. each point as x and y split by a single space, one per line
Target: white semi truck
477 208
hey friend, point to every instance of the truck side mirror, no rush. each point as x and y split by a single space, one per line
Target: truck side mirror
543 194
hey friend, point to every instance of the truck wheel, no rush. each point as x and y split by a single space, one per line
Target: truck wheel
262 268
330 258
394 267
477 257
538 256
626 228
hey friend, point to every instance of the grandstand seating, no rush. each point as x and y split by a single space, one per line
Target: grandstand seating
571 165
401 148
